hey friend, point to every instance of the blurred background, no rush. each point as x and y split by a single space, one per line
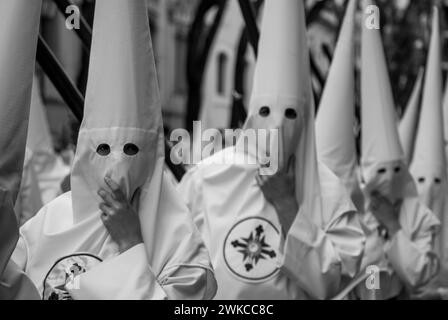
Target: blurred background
205 59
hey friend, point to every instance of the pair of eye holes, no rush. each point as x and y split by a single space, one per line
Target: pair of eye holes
420 180
423 180
289 113
129 149
384 170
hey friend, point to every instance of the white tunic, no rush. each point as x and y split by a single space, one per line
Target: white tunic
53 252
407 260
251 258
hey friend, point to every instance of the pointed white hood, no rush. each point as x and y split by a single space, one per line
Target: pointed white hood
122 107
122 137
335 140
429 163
445 118
383 163
281 99
19 29
20 25
409 123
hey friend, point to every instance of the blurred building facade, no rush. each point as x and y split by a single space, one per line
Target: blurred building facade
405 35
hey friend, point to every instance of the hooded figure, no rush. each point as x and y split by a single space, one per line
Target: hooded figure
50 169
66 249
19 27
429 163
399 228
255 254
335 140
409 123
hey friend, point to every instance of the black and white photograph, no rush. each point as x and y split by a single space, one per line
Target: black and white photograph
224 155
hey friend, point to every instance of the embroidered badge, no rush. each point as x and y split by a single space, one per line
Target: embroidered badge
250 250
63 275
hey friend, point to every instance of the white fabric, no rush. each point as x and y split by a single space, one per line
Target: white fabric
406 259
381 148
307 265
49 167
335 138
19 26
325 242
409 123
183 274
429 163
67 238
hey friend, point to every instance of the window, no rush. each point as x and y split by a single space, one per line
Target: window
222 67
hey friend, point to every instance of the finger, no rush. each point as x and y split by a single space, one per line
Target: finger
107 198
115 188
105 218
291 166
106 210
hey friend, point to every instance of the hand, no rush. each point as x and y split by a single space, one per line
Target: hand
279 190
119 217
385 212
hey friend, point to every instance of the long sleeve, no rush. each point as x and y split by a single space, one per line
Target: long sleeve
318 259
411 260
129 277
410 251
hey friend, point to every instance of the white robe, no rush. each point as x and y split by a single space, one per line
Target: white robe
50 247
407 261
230 209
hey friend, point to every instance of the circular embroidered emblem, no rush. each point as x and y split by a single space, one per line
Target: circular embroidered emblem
250 250
62 276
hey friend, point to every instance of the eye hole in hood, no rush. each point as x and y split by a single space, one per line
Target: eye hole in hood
130 149
291 114
103 149
264 111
